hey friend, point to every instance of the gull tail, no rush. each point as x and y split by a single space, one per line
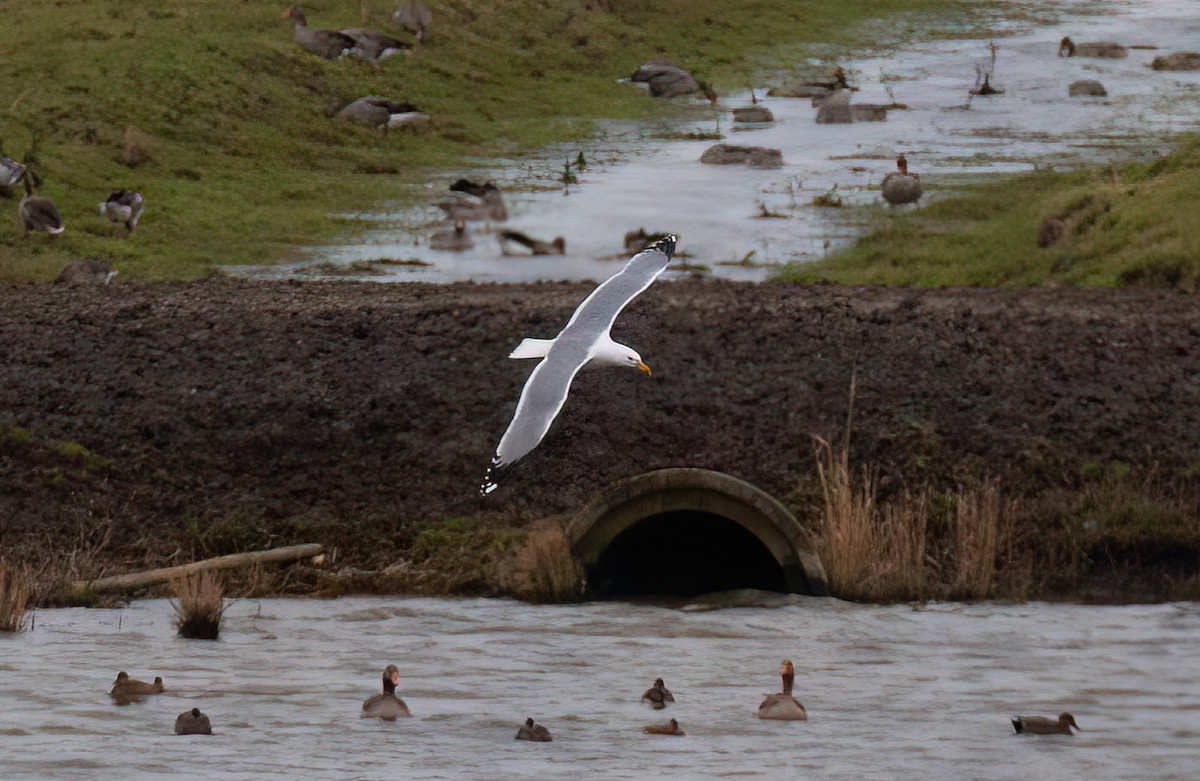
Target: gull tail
532 348
491 478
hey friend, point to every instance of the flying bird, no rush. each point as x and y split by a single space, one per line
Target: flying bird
585 338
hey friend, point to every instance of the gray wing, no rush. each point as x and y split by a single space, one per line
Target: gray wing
546 390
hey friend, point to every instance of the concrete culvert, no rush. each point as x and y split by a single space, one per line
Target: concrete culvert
692 531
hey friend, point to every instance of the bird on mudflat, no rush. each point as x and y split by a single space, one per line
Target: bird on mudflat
584 339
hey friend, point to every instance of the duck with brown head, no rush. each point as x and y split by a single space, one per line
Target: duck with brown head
386 705
900 186
670 728
658 695
192 722
783 706
126 690
1040 725
533 732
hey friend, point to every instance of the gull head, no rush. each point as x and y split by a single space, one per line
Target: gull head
615 354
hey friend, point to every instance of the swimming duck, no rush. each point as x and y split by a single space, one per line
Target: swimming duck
670 728
37 213
783 707
387 705
123 206
414 16
900 186
475 202
535 732
456 239
329 44
535 246
379 112
1040 725
658 695
669 81
1105 49
192 722
125 686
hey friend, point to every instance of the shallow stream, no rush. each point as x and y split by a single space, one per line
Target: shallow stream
892 692
639 178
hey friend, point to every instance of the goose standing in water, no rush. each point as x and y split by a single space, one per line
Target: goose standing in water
783 706
192 722
328 44
414 16
658 695
900 187
455 239
387 705
475 202
670 728
534 732
37 213
1040 725
123 207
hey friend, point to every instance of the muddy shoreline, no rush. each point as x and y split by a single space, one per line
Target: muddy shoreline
224 415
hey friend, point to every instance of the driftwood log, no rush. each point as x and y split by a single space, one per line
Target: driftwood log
150 577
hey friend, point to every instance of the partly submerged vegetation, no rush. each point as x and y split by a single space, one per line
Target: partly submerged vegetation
14 596
1131 224
199 604
212 112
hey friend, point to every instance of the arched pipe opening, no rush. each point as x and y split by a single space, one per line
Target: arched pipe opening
692 531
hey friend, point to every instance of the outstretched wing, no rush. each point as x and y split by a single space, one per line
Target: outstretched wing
546 390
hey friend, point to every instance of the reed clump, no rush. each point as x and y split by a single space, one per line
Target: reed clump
542 568
199 605
14 596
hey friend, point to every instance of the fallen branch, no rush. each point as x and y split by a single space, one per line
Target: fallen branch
134 580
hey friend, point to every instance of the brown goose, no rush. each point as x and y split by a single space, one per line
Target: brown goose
37 213
1105 49
386 705
125 686
475 202
1040 725
414 16
783 707
123 207
534 732
10 172
900 186
670 728
329 44
535 246
669 81
455 240
372 46
658 695
379 112
192 722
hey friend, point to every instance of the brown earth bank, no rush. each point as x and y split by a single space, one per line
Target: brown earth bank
147 424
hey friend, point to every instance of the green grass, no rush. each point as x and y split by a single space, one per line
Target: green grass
1134 224
231 143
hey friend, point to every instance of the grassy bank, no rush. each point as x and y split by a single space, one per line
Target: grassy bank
1133 224
221 121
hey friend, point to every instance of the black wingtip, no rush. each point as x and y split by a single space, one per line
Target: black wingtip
491 478
665 245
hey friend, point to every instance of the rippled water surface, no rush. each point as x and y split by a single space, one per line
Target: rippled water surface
638 179
892 692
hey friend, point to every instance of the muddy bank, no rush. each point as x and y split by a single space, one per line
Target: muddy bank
220 415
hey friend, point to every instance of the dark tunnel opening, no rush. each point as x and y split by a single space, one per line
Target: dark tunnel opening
684 553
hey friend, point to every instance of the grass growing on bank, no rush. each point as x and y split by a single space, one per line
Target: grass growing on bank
213 113
1133 224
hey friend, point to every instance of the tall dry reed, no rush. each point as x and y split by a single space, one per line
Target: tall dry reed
198 605
542 568
14 596
870 553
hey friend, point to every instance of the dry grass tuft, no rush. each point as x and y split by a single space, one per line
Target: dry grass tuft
542 568
198 605
871 553
14 596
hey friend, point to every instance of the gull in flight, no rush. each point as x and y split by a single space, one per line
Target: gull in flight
584 339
